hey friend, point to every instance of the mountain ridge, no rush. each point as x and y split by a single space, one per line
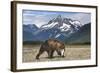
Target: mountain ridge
64 29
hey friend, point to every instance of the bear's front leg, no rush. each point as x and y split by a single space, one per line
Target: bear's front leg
50 53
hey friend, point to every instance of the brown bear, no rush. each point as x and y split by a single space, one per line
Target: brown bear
50 46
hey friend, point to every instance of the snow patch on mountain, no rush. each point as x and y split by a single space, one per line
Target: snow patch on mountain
65 27
57 35
48 26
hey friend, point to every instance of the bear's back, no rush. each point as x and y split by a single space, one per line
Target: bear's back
55 43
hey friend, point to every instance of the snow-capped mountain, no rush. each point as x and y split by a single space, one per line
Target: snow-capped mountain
60 28
64 24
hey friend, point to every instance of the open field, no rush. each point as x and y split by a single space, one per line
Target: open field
73 52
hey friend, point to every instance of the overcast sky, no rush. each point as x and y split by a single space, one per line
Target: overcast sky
42 17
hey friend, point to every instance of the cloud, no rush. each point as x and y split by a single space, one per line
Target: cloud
82 17
35 19
42 17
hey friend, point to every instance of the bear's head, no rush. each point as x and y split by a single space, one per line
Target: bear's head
61 52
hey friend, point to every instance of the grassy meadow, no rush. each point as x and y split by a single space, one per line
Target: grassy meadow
73 52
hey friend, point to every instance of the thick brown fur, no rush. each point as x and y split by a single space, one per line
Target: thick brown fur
50 46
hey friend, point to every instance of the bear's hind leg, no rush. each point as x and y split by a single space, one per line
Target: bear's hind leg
50 54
